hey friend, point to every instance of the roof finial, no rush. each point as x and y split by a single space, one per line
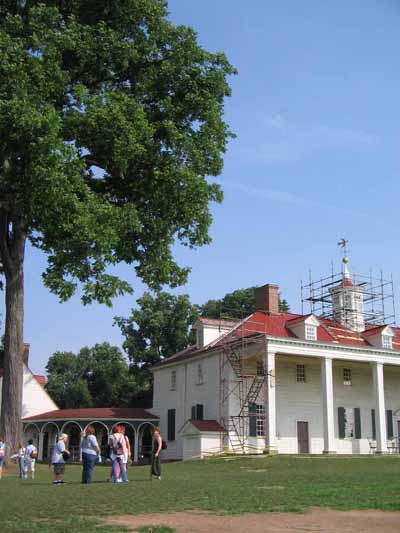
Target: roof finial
345 269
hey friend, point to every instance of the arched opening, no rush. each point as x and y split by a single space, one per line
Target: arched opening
31 432
74 432
145 437
102 434
50 433
130 432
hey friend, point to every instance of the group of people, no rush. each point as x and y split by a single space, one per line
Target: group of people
26 457
119 451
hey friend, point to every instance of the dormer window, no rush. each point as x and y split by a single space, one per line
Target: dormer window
311 333
387 342
304 327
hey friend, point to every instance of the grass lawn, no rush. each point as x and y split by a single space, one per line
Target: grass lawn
231 486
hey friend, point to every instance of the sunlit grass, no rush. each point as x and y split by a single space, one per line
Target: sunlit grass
223 486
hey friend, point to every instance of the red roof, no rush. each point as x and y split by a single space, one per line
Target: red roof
207 425
347 283
373 330
279 326
40 379
96 413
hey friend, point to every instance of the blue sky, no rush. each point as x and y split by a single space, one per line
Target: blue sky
316 111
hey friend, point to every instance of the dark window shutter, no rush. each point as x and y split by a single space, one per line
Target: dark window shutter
193 412
171 424
199 411
252 420
373 424
389 423
342 422
357 423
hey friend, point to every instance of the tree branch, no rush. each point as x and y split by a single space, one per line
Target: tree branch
91 161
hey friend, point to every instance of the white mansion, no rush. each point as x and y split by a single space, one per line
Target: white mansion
284 383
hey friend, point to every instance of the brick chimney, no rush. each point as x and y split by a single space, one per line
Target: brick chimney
26 353
267 299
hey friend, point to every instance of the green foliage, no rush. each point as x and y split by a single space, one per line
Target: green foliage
160 326
96 377
157 329
110 121
237 304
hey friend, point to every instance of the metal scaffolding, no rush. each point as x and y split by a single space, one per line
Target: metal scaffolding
378 297
244 353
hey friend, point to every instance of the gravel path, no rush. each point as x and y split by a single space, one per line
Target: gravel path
316 520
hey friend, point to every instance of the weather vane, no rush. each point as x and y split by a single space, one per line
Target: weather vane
343 244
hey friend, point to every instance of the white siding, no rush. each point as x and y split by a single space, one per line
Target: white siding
294 401
35 399
303 402
187 394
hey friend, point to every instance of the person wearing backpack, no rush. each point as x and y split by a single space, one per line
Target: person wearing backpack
90 453
158 445
30 459
118 451
2 455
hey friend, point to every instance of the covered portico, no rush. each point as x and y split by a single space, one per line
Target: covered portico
44 429
321 400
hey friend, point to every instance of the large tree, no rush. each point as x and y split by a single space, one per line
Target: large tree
110 123
158 328
95 377
237 304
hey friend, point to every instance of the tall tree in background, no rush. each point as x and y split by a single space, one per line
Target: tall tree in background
110 121
159 328
237 304
96 377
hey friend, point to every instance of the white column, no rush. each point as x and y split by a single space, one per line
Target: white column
380 413
40 446
270 403
327 405
136 447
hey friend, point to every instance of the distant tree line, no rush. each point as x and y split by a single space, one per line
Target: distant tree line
159 327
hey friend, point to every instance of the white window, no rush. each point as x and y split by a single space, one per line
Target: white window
200 375
387 342
311 333
300 373
347 376
173 380
260 420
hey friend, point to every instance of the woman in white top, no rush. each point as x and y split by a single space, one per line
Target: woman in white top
30 459
127 455
90 452
117 452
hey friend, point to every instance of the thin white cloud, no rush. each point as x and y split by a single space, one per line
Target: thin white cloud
285 142
285 197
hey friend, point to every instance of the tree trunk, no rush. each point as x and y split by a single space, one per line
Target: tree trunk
12 254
